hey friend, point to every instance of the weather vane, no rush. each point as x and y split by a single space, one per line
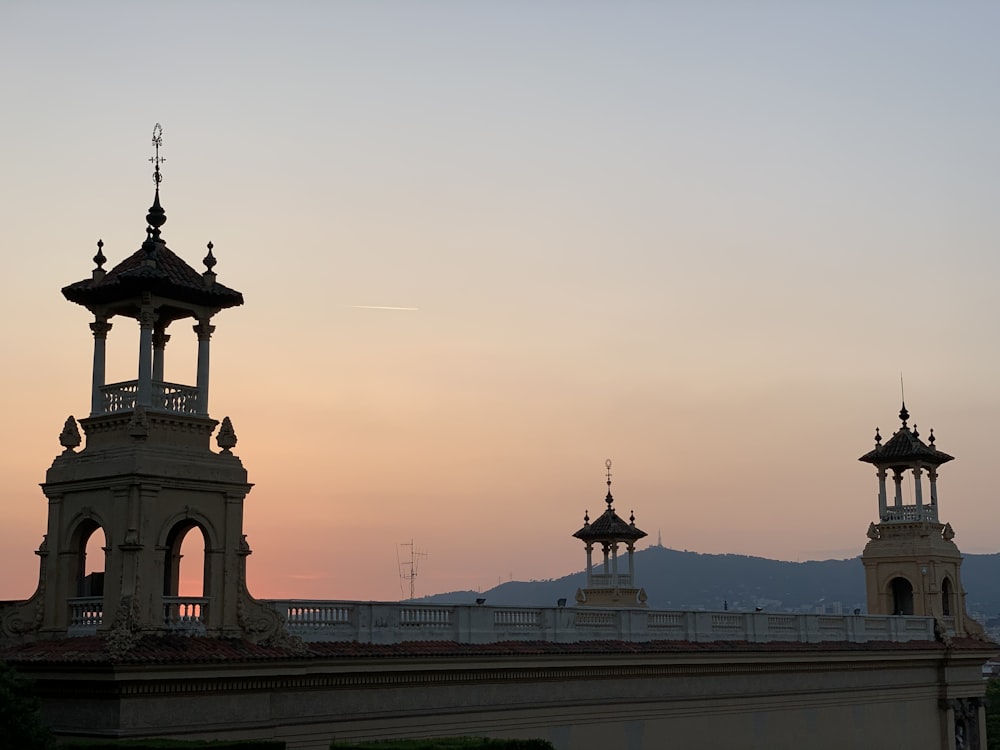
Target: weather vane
156 160
607 465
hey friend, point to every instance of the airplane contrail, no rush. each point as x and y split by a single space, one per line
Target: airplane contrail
380 307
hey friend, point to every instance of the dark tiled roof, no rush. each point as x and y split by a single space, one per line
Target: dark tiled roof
904 447
194 650
609 526
170 277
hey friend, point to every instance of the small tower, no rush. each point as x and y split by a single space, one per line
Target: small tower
912 566
609 587
147 475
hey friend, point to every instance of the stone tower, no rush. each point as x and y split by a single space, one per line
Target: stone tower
912 566
147 476
610 587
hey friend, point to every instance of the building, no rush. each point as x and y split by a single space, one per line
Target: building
119 653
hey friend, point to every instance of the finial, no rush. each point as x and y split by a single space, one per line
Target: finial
69 438
930 438
156 160
608 499
631 517
904 415
209 259
227 436
586 518
878 438
915 433
99 259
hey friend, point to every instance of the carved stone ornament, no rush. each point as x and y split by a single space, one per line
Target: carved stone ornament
125 629
948 533
873 531
70 438
227 436
138 426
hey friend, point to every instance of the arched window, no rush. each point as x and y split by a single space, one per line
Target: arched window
90 542
946 595
902 596
184 569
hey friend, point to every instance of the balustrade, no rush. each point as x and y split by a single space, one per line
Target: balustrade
170 397
184 613
910 513
85 614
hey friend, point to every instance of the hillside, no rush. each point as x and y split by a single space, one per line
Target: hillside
676 579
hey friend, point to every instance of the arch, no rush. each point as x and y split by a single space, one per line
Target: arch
191 517
902 596
947 597
87 573
175 539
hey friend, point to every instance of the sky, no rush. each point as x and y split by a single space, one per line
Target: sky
701 239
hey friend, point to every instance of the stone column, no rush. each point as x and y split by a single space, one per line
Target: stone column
147 319
160 339
897 477
881 493
918 491
932 479
614 561
631 563
204 331
590 563
100 327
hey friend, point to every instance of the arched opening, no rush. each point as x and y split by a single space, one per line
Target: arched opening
946 594
184 568
185 577
902 596
90 561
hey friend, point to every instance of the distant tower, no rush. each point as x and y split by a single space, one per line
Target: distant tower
912 566
147 475
609 587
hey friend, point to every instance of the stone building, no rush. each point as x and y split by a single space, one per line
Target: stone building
120 653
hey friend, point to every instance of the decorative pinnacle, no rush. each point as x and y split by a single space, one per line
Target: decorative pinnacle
608 499
99 259
930 439
904 415
878 438
209 259
156 160
915 433
586 517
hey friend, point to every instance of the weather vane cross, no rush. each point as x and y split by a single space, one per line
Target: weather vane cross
156 160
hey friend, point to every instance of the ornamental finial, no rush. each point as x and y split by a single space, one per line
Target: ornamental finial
878 438
930 438
99 259
209 259
156 160
904 415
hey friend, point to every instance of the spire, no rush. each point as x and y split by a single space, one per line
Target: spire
156 217
609 500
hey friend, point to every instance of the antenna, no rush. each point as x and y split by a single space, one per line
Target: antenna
408 568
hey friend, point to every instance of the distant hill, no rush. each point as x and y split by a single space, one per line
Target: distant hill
676 579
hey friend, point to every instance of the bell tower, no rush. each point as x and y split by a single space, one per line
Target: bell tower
611 586
147 476
912 565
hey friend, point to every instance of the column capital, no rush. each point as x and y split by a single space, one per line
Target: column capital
147 317
100 328
160 338
204 330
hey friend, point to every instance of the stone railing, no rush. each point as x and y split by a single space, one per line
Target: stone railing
610 579
910 513
185 614
385 622
170 397
85 614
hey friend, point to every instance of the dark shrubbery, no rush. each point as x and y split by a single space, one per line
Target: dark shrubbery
156 744
447 743
20 716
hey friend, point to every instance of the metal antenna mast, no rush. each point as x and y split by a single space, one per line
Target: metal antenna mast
408 568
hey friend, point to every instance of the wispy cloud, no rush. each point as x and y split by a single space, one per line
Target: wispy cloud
380 307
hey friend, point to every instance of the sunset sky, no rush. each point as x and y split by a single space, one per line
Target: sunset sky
702 239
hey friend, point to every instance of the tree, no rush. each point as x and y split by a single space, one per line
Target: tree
20 714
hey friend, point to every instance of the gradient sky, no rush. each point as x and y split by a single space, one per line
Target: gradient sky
700 238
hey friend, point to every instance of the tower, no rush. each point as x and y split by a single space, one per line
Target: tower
912 565
610 588
147 475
